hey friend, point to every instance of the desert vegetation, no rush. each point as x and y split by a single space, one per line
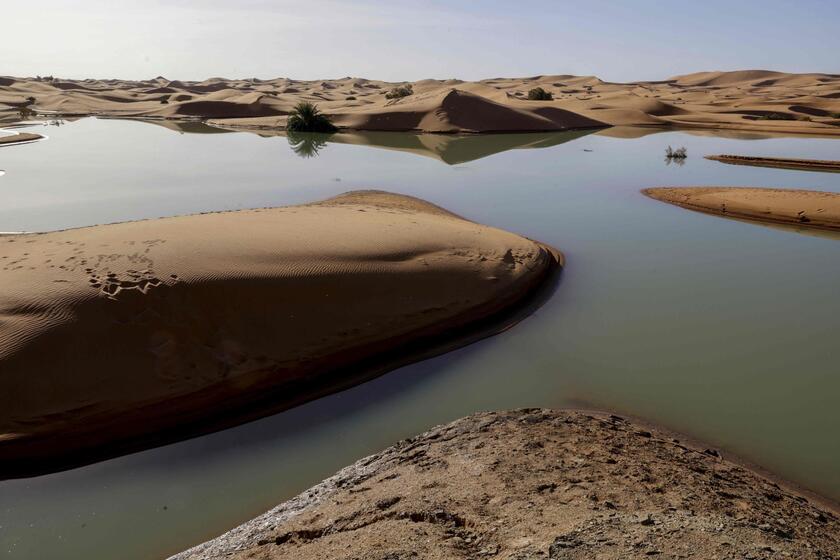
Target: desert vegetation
306 117
539 94
777 117
400 92
677 156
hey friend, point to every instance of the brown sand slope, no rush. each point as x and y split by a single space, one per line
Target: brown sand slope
781 163
538 484
812 209
119 337
744 100
18 138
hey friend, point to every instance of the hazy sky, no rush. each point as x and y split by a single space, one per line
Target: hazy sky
409 40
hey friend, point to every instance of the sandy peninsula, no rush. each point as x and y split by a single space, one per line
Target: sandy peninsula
17 138
758 100
830 166
539 484
118 337
812 209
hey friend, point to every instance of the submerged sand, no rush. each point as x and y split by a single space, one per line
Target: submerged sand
118 337
539 484
811 209
759 100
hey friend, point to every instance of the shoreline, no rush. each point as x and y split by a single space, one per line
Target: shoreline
289 529
105 426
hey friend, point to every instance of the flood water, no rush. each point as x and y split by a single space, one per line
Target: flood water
724 330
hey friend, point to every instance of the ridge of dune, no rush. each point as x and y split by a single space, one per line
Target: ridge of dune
460 111
810 209
120 337
537 483
750 100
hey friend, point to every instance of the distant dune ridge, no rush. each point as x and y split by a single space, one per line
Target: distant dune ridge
118 337
745 100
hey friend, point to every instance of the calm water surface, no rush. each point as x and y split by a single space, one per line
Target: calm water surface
721 329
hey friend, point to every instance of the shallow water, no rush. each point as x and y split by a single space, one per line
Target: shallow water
721 329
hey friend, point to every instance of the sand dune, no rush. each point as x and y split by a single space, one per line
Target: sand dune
760 100
812 209
118 337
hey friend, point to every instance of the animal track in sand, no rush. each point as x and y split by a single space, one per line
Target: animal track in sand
111 283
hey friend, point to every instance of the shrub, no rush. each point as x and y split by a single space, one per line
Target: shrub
679 153
400 92
776 117
306 117
350 98
834 115
539 94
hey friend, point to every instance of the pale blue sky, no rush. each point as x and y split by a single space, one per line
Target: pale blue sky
409 40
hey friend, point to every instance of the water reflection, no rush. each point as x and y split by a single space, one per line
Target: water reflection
452 149
307 144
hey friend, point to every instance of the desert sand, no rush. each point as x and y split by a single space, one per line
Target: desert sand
118 337
539 484
758 100
811 209
10 138
781 163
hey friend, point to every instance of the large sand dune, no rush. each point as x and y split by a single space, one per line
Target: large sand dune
118 337
742 100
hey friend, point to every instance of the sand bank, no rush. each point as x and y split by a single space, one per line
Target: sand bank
539 484
747 100
119 337
18 138
782 163
813 209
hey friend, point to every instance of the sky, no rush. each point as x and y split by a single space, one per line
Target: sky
616 40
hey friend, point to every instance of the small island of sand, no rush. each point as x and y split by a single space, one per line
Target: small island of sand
118 337
812 209
781 163
17 138
541 484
